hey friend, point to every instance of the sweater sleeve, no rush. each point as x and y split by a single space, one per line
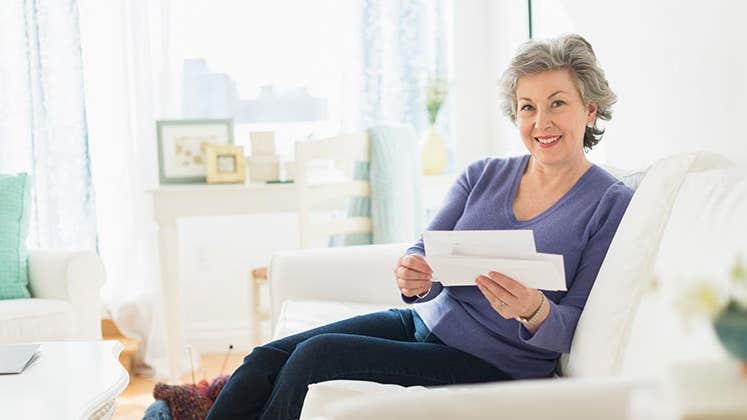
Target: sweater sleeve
447 217
556 332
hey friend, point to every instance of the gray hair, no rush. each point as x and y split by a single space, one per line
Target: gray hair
570 52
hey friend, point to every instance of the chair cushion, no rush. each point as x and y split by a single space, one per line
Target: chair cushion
14 222
24 320
301 315
601 336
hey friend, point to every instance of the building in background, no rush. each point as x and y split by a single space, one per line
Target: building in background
206 94
214 95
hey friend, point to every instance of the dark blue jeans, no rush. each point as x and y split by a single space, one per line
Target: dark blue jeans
392 346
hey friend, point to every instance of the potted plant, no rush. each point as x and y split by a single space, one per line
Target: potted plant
727 310
731 321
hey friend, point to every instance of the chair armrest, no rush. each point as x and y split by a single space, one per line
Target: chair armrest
75 277
605 398
362 274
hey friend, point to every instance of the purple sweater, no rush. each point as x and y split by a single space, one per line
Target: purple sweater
580 226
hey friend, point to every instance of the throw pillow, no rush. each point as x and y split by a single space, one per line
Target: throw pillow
14 222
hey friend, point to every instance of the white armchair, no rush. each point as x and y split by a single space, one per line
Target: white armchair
314 287
686 217
362 281
64 304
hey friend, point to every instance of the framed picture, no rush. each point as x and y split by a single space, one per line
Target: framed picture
225 163
181 148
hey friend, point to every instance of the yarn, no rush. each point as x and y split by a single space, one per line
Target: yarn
190 402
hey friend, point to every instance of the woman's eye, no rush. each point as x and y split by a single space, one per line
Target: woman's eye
556 104
526 107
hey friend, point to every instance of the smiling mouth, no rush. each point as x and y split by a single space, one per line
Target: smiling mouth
548 139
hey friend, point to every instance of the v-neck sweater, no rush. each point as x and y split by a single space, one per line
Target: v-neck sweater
580 226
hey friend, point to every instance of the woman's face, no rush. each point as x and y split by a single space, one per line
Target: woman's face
552 117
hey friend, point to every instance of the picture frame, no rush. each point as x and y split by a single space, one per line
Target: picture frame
225 163
181 147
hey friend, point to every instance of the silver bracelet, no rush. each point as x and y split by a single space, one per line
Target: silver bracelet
424 294
530 318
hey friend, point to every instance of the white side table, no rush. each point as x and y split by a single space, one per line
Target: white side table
173 202
69 380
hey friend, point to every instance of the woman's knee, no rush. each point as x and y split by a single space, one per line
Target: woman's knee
320 344
264 359
320 349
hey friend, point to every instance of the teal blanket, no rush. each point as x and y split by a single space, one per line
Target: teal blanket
395 205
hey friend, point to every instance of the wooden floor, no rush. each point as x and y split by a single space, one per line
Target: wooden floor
132 403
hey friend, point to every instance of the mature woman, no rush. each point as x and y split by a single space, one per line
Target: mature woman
498 329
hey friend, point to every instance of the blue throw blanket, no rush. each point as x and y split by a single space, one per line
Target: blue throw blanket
395 205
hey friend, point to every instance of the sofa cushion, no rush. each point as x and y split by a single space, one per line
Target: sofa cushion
707 229
23 320
601 336
301 315
321 395
540 399
14 221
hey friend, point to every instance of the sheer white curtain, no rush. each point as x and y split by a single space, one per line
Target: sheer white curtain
130 83
402 44
43 120
124 71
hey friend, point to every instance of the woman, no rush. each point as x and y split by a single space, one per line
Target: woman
500 330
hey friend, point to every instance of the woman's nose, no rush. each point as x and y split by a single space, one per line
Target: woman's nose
542 119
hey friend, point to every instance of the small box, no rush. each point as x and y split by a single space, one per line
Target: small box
288 169
263 143
263 168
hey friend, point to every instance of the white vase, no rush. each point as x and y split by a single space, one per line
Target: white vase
434 153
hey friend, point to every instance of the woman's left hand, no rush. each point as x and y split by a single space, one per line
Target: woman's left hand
507 296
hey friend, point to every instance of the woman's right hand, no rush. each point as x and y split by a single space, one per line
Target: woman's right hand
414 275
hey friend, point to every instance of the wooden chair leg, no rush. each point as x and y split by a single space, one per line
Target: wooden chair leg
258 279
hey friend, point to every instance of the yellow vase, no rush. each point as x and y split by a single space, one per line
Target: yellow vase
434 153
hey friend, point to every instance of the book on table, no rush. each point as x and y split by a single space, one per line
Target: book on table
14 358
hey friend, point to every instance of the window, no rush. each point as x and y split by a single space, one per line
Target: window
280 65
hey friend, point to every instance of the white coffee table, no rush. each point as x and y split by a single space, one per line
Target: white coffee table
70 380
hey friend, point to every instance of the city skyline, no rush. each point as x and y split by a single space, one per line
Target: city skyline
207 94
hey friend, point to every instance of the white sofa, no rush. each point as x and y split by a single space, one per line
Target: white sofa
686 220
64 303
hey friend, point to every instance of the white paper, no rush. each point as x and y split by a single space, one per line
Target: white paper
459 257
536 274
484 243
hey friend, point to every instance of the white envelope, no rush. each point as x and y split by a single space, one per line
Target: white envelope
483 243
545 272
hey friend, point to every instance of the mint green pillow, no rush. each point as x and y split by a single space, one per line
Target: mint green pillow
14 227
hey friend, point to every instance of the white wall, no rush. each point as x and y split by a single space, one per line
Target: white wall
485 36
678 69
